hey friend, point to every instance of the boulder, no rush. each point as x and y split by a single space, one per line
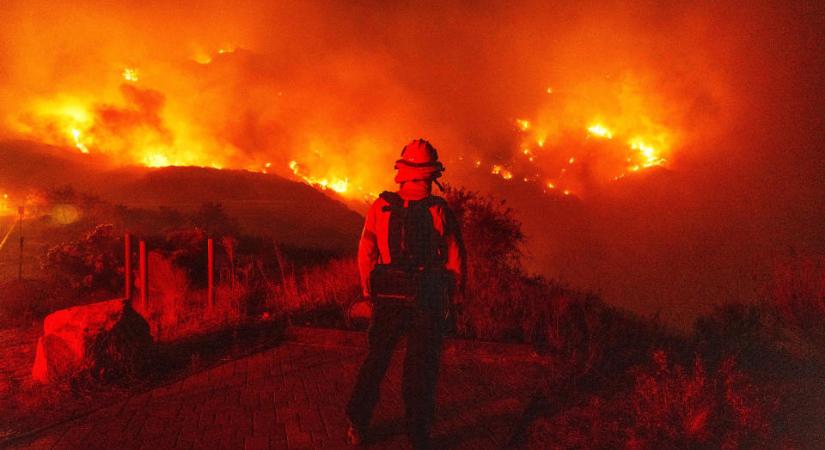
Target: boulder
105 340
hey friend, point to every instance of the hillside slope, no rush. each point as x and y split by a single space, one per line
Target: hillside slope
262 204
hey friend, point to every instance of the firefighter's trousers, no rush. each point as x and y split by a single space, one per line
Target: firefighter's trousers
423 326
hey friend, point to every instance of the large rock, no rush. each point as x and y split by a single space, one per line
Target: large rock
105 340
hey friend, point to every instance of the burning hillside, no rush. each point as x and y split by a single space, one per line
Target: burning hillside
564 100
227 99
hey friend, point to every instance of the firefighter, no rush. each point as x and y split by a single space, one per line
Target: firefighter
411 260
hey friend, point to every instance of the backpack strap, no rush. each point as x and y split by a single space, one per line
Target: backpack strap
434 200
394 200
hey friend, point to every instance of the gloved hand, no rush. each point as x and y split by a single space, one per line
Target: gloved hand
361 310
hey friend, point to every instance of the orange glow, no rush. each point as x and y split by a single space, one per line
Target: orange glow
600 130
5 210
339 185
649 155
130 74
501 171
77 143
232 99
156 160
596 133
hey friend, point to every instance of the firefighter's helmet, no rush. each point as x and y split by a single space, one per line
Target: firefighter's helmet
419 160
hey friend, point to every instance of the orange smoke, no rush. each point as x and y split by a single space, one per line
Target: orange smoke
316 102
590 135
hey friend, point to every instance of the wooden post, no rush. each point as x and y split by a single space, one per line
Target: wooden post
210 275
144 277
20 211
127 266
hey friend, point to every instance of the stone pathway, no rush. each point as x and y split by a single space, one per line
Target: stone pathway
293 396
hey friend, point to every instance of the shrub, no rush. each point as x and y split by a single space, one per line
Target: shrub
320 295
91 264
751 333
498 295
798 299
676 407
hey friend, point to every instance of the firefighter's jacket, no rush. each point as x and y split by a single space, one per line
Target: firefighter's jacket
374 244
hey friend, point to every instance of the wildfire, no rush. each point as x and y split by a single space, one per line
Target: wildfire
600 130
190 116
338 185
501 171
130 74
574 143
649 155
156 160
77 143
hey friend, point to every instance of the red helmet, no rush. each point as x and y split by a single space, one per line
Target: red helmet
420 154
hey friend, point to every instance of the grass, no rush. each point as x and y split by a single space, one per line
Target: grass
747 376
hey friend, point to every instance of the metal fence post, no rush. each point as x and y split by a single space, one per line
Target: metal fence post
210 276
144 276
127 267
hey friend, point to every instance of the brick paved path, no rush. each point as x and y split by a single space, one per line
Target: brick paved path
293 397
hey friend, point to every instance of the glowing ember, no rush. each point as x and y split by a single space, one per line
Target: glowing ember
130 74
501 171
80 145
524 125
600 130
650 157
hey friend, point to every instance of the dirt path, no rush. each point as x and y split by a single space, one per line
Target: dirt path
293 396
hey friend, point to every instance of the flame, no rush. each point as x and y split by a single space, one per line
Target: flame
591 135
140 108
600 130
501 171
130 74
77 143
649 155
338 185
156 160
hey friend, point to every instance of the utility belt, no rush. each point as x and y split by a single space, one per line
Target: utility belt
412 285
